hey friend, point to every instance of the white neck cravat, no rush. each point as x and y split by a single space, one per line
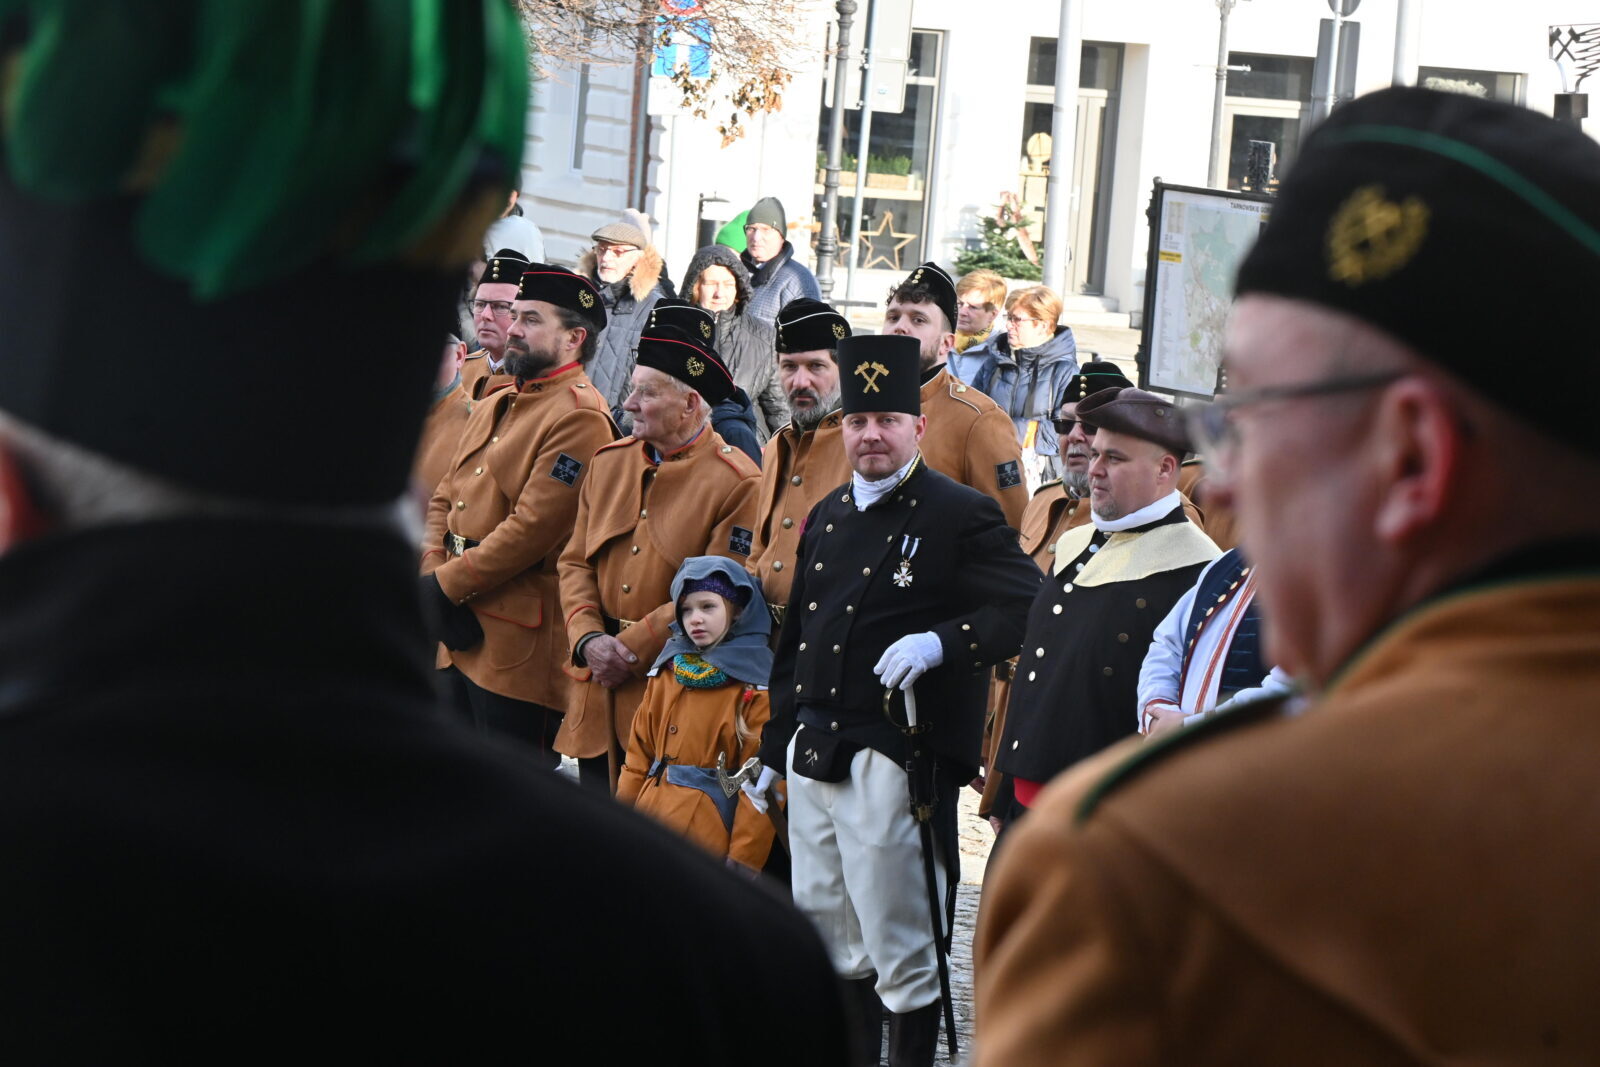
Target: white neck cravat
868 493
1147 514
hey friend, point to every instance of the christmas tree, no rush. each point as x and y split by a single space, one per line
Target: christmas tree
999 249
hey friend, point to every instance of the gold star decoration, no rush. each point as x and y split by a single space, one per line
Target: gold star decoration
885 251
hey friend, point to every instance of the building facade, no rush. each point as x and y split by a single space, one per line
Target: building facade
976 124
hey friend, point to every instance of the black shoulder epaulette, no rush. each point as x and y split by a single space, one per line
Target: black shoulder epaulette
1247 714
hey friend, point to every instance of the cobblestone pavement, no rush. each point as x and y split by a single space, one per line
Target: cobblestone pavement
976 839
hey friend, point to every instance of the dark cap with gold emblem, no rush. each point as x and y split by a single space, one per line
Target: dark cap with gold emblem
807 325
880 372
940 286
505 267
685 357
1138 414
1092 377
564 289
692 320
1413 210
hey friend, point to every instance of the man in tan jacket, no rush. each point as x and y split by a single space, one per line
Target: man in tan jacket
1398 866
804 460
672 490
969 438
490 306
500 517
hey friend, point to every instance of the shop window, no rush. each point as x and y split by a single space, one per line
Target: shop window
899 166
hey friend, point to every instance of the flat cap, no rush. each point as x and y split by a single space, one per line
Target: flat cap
1138 414
1419 212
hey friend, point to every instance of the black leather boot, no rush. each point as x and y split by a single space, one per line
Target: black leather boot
869 1014
914 1037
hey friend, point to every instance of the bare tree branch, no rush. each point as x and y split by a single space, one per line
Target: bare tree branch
751 46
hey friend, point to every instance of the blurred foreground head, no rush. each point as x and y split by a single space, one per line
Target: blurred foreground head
1380 439
200 198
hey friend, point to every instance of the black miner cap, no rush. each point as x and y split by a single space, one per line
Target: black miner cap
692 320
505 267
807 325
1093 377
564 289
880 372
1412 210
688 359
940 286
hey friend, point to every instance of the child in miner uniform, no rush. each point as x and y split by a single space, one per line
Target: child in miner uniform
706 697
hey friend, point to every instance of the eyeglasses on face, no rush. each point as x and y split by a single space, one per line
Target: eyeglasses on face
1216 436
498 307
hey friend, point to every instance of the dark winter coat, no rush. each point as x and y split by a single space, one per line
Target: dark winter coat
746 344
235 817
1028 384
778 281
627 305
735 420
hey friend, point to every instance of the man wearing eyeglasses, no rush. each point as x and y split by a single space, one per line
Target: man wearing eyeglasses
627 269
1398 865
491 317
776 277
501 515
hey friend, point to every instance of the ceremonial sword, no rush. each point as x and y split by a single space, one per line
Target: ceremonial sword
922 811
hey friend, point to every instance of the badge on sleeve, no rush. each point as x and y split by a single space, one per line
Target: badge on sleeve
1008 474
740 540
566 469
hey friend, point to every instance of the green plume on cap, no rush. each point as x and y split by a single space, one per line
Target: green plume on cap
302 127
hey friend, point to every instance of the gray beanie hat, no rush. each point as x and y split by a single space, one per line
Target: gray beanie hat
769 212
632 229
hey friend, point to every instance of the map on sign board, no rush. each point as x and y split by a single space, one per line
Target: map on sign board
1197 238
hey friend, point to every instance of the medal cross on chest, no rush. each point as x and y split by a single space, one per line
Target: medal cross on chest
908 548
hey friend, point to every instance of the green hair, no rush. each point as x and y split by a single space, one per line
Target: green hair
264 134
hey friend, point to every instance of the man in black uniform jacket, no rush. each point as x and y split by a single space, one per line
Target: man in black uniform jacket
236 822
902 574
1113 581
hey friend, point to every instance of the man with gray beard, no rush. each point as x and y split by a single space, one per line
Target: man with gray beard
805 459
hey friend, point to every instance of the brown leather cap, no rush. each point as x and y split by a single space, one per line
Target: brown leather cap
1138 414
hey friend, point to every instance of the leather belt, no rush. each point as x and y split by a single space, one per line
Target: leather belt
616 626
457 545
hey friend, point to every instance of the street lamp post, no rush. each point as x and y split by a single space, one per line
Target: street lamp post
1214 170
827 239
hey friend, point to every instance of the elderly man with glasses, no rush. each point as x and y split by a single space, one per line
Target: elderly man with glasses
627 269
1398 864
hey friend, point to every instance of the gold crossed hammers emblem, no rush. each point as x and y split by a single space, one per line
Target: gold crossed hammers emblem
870 373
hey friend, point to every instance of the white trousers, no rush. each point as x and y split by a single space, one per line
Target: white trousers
857 873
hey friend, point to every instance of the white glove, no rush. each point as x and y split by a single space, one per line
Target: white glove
908 659
756 791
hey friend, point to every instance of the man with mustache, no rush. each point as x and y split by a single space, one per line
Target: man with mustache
805 459
902 574
499 519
